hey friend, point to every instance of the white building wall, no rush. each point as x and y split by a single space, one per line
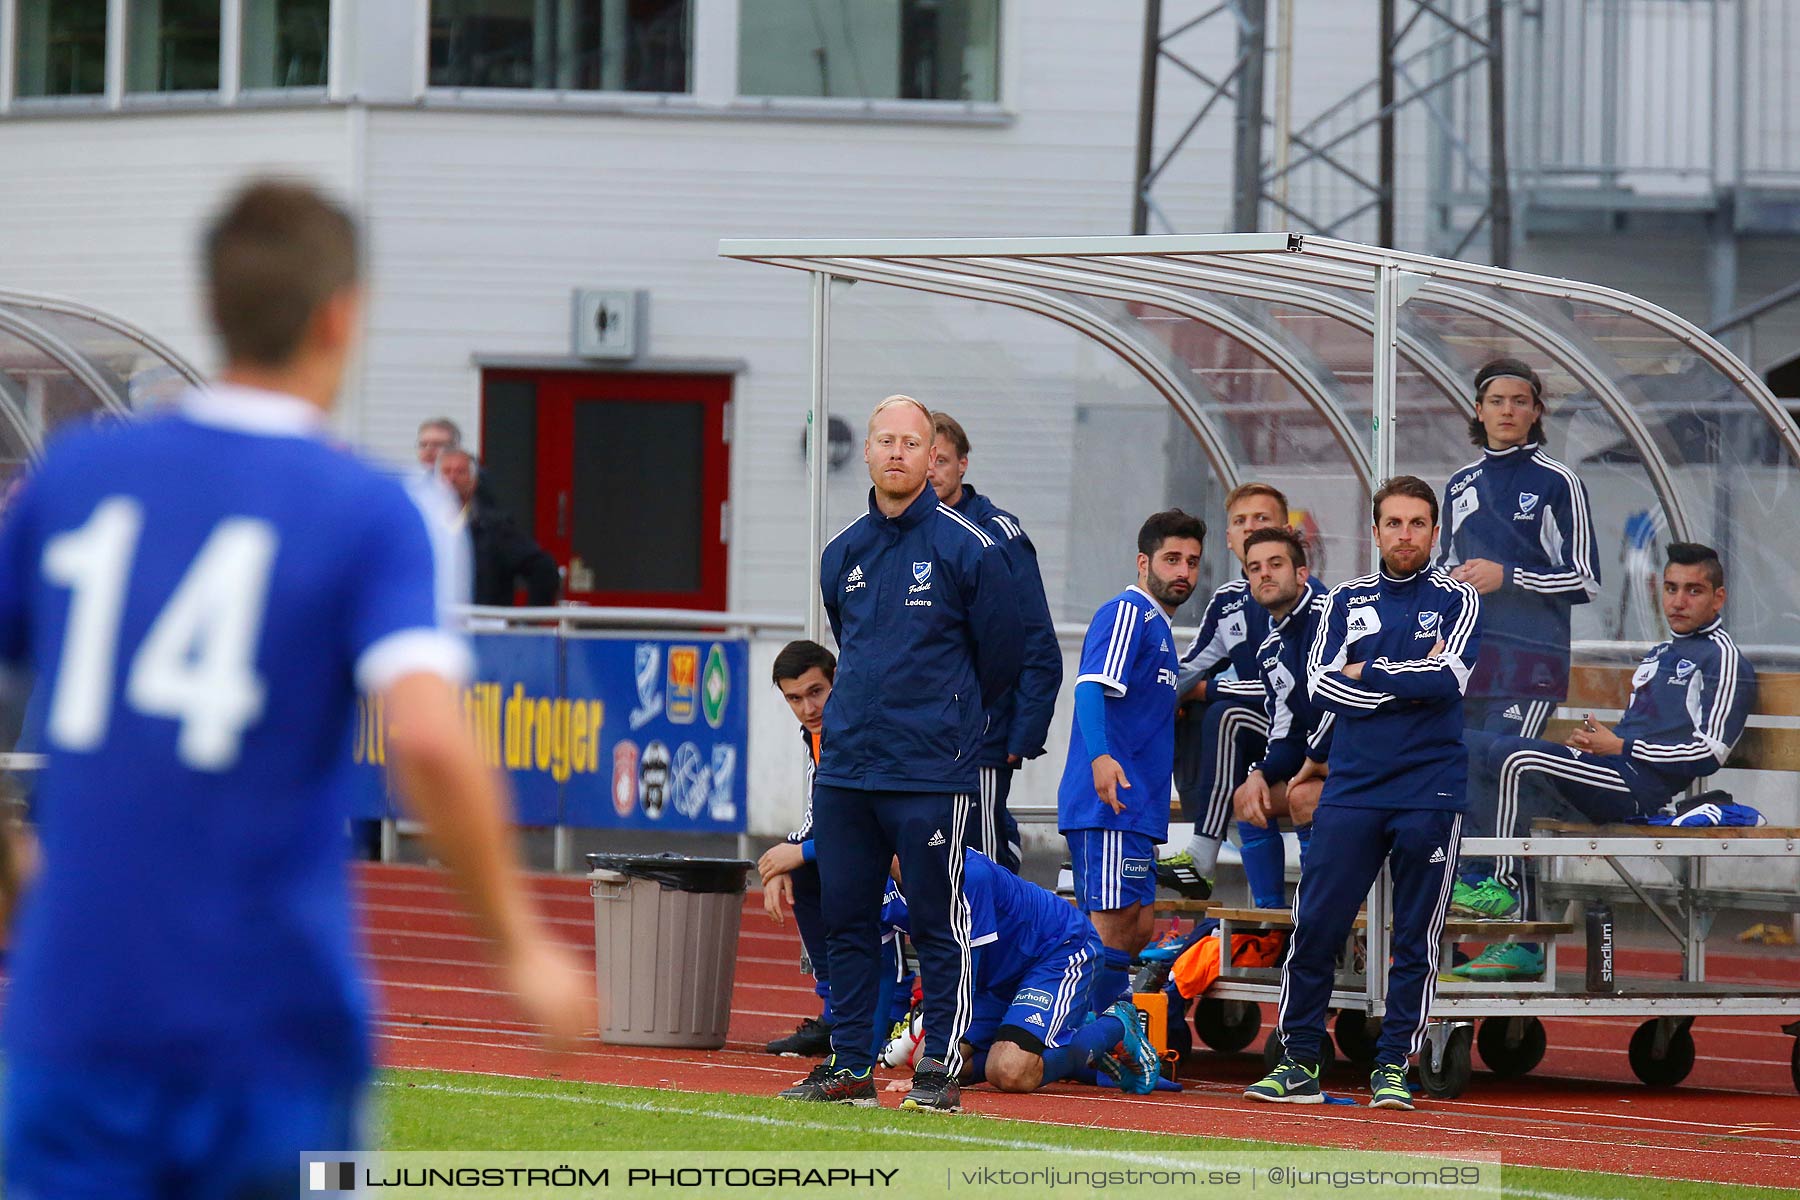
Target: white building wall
483 222
108 209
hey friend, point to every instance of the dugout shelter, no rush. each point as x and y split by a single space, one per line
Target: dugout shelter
1102 378
61 361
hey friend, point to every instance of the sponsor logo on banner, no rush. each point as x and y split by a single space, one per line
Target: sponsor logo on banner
684 684
690 782
1034 998
653 780
715 686
649 678
625 777
1134 868
723 806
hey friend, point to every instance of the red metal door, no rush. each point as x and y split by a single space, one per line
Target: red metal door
631 480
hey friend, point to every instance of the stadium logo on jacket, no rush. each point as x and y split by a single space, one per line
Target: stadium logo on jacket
1528 502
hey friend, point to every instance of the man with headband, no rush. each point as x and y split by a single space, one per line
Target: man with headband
1517 528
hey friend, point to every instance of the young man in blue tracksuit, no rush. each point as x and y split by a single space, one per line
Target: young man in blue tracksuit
1019 723
1223 729
1299 730
1518 529
922 604
1113 802
1690 697
789 869
1391 658
1035 960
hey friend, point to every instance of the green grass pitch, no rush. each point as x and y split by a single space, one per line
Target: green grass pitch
436 1110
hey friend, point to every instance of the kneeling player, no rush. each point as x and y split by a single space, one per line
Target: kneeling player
1035 960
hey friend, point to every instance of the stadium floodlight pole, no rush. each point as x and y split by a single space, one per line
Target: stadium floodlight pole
1387 323
818 429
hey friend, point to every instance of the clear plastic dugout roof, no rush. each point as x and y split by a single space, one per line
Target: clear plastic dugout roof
1103 378
61 361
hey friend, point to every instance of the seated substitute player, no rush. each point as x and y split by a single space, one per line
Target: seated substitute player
803 673
201 594
1299 730
1690 698
1391 657
1035 962
1222 729
1113 802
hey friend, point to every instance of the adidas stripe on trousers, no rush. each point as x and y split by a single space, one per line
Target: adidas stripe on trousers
1214 750
1349 847
992 829
856 834
1515 780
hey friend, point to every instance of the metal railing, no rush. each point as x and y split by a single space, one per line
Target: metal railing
1660 97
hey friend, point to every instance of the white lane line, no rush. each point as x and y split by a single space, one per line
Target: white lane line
1146 1102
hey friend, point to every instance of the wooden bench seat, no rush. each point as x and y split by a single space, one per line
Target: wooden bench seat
1455 928
1710 832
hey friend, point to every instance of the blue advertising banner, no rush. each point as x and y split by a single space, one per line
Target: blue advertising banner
598 732
675 733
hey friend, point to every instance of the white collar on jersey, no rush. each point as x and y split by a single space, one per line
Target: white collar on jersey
1154 602
252 410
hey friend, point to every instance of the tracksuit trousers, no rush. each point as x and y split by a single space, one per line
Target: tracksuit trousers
856 833
1515 780
1349 846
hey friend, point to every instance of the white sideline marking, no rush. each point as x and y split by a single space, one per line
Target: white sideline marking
1141 1102
915 1132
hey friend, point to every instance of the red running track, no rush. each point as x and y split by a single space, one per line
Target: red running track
1735 1120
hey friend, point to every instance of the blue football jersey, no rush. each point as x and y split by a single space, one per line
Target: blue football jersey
1130 651
200 596
1014 925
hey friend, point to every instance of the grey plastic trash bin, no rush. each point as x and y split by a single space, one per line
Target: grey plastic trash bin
665 946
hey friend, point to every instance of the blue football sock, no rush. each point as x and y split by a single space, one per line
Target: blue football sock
1096 1037
1264 863
1112 982
975 1069
1304 833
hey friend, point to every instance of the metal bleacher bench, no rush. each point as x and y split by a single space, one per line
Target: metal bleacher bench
1686 903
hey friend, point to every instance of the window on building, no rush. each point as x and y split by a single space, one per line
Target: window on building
567 45
171 45
870 49
61 48
285 43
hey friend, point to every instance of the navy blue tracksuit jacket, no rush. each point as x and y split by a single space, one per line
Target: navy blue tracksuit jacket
1019 722
1298 728
927 623
1523 509
1394 794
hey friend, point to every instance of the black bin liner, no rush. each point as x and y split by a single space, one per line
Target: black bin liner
678 872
